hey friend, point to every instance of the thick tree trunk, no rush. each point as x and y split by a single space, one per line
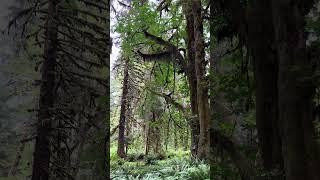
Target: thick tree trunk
295 93
156 134
41 159
192 79
245 168
127 137
194 121
261 47
107 108
122 122
202 86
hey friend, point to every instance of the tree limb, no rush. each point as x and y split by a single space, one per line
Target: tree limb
177 58
180 107
165 56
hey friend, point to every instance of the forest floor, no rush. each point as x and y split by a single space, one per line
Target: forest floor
175 165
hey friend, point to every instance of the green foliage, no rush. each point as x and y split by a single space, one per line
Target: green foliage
145 17
171 169
250 120
175 164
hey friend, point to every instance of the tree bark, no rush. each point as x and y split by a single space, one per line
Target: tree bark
108 133
122 122
261 47
147 140
41 159
156 134
295 93
202 86
192 79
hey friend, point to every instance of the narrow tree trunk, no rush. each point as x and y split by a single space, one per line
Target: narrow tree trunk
295 93
202 86
175 139
147 143
122 122
168 135
261 46
41 159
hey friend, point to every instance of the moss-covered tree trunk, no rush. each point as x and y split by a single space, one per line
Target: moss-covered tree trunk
202 86
192 79
123 115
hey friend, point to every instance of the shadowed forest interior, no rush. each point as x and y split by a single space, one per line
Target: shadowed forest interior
159 89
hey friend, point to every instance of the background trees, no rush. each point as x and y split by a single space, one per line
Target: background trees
246 65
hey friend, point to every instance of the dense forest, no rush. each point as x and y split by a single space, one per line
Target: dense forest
159 89
215 89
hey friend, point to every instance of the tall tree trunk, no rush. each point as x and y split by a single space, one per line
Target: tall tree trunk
155 133
261 46
107 108
127 136
202 86
168 134
122 122
244 166
41 159
192 79
295 93
147 138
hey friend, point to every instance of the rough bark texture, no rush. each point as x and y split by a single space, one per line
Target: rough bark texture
192 79
261 48
202 87
295 93
41 159
122 122
108 133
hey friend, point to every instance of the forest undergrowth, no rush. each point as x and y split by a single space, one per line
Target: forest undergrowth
173 165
